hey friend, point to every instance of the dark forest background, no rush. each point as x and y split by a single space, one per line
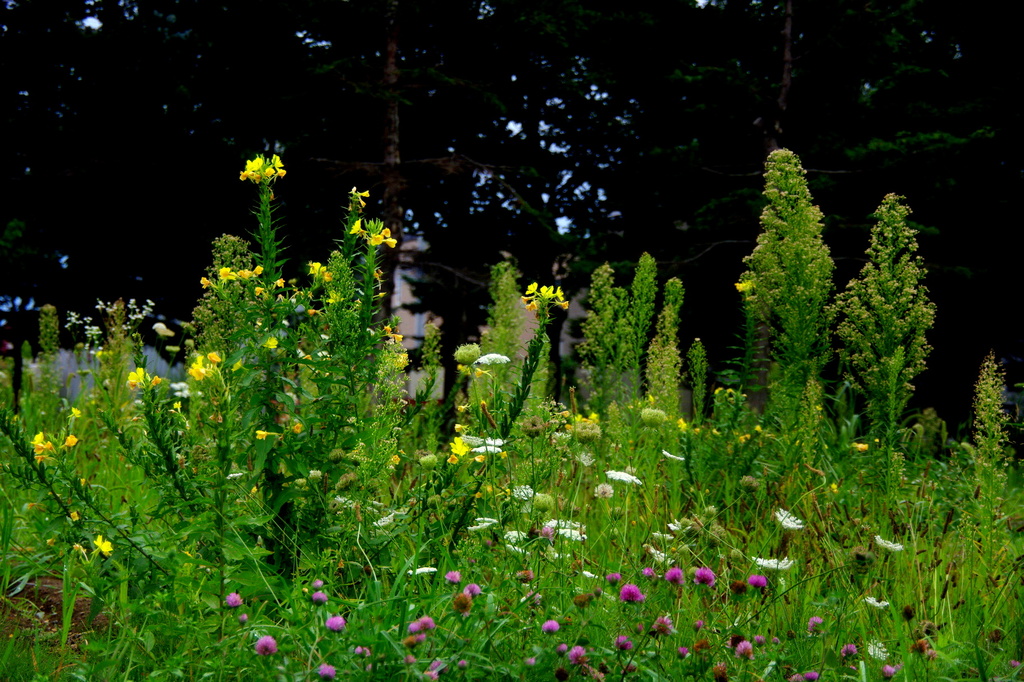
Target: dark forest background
562 132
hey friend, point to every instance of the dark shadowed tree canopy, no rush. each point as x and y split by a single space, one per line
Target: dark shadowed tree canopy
561 132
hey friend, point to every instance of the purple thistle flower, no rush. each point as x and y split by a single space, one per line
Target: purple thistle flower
811 676
888 671
422 623
1014 664
561 649
795 678
704 576
813 623
745 650
472 589
631 593
759 640
697 625
326 672
622 643
614 578
463 664
649 573
662 626
848 650
775 640
266 645
317 584
548 533
410 659
319 598
243 618
758 581
674 575
550 627
233 600
454 577
335 623
683 652
578 655
531 661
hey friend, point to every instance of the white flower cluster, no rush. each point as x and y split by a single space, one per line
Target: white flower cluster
482 522
788 521
871 601
774 564
492 359
885 544
671 456
624 477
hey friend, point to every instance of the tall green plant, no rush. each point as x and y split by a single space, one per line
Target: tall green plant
790 278
884 315
664 361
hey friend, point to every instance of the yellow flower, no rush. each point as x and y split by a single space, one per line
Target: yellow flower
359 196
237 366
395 460
744 286
258 270
213 357
270 343
137 378
177 404
102 545
41 445
393 335
861 447
683 426
452 459
279 283
278 166
297 427
75 516
262 435
460 428
458 447
78 548
71 441
259 290
198 370
226 273
205 282
357 227
75 412
479 458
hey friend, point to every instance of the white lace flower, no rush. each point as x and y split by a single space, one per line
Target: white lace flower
522 492
385 522
588 574
492 359
774 564
237 474
482 522
423 570
662 536
497 442
512 536
572 534
487 449
472 441
585 458
660 557
788 521
558 523
675 525
671 456
604 491
874 602
624 477
885 544
877 650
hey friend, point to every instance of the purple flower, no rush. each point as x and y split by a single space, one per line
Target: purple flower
233 600
758 581
662 626
631 593
745 650
888 671
326 672
813 623
548 533
811 676
410 659
463 664
1014 664
674 575
243 618
577 655
697 625
775 640
614 578
550 627
317 584
335 623
683 652
319 598
848 650
531 661
704 576
422 623
266 645
622 643
472 589
759 640
454 577
795 678
648 573
362 651
561 649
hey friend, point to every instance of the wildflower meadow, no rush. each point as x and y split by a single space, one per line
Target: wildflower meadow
285 499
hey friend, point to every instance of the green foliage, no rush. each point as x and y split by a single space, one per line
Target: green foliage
885 314
790 271
664 362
